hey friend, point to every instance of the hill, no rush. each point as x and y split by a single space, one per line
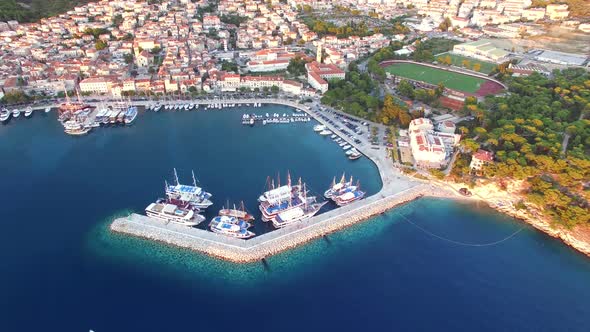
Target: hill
33 10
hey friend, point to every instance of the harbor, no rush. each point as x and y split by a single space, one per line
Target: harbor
396 190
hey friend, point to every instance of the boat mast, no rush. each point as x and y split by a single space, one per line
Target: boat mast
195 179
176 177
278 179
288 179
343 178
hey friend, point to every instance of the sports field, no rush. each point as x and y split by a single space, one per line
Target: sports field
455 81
457 60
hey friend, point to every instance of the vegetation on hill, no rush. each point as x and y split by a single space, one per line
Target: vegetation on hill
577 8
33 10
539 133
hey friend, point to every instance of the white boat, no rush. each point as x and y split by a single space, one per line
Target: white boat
229 229
4 115
325 132
28 111
172 213
333 136
130 115
295 214
74 128
186 194
316 128
47 109
346 147
15 113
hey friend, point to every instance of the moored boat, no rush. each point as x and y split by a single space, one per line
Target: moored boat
173 213
316 128
309 208
4 115
130 115
230 226
72 127
239 213
182 194
28 111
15 113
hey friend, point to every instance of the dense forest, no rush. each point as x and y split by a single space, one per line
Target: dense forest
539 132
33 10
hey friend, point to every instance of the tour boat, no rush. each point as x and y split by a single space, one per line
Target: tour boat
4 115
318 128
231 226
238 213
174 214
337 187
15 113
348 195
130 114
279 199
187 194
309 208
28 111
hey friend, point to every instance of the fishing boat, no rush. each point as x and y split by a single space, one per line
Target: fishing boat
279 199
4 115
28 111
239 213
309 208
231 226
15 113
172 213
130 115
75 128
193 195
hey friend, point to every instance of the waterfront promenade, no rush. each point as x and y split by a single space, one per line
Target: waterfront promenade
396 189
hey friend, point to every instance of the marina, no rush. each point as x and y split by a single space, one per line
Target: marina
294 214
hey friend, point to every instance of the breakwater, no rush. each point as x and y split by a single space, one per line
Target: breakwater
245 251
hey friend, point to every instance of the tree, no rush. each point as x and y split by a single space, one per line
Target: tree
465 63
100 45
274 89
117 20
406 89
477 66
445 25
128 57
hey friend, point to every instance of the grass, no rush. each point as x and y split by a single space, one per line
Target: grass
457 60
430 75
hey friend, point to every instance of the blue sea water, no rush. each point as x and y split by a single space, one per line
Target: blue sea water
62 270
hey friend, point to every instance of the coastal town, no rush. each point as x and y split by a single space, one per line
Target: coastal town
428 90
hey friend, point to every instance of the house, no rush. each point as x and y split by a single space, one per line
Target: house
480 159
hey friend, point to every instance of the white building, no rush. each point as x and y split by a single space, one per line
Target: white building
430 149
95 85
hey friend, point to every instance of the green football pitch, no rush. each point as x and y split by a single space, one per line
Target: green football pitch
451 80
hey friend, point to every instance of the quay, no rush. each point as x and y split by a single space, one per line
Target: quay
396 189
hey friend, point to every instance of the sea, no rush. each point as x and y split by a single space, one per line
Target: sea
431 265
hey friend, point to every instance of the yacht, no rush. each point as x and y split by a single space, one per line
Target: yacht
325 132
4 115
130 115
28 111
15 113
318 128
174 214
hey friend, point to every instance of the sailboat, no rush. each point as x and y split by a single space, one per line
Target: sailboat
239 213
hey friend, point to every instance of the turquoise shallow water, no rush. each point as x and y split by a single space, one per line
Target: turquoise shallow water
62 269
